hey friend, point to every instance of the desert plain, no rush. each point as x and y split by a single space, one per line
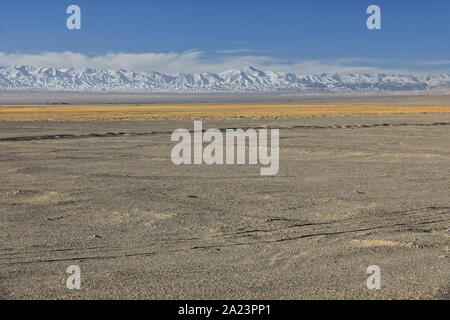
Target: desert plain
94 186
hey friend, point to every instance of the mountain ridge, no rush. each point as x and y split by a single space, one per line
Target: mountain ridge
248 79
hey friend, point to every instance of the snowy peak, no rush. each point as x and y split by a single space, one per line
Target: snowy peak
249 79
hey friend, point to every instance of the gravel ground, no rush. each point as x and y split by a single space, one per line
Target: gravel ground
352 191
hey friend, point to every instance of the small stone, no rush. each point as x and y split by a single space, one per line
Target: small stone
96 236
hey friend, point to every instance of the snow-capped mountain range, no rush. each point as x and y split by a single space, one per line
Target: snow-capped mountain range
246 80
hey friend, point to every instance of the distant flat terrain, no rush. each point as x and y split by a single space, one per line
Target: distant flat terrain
352 191
93 98
205 111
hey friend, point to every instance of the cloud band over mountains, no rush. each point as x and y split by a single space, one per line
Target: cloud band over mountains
193 61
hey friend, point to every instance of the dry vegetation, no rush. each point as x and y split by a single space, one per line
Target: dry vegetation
215 111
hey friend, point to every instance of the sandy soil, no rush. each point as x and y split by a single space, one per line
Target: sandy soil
197 111
352 191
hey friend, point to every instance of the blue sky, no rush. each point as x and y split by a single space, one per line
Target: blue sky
309 36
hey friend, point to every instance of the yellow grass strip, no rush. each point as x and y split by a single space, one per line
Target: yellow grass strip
210 111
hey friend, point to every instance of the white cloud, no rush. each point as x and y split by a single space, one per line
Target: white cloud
168 62
171 63
189 62
234 51
436 63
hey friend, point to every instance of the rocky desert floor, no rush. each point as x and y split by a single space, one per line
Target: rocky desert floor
352 191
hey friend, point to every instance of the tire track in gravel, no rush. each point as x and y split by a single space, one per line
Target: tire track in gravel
137 134
436 218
